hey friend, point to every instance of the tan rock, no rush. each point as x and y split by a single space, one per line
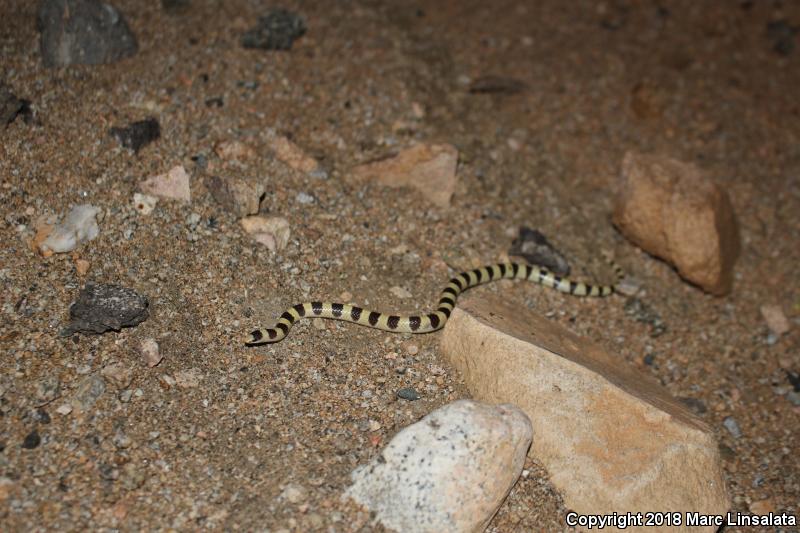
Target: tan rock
118 374
234 150
429 168
448 472
150 352
6 486
775 319
291 154
189 378
672 210
174 184
611 439
241 196
82 266
272 232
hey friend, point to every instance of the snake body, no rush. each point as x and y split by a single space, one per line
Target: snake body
447 301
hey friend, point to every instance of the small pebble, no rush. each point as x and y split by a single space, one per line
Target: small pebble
118 374
305 198
272 232
87 392
47 389
121 440
79 226
793 397
150 352
64 409
294 493
32 440
41 416
628 286
174 185
732 426
234 150
277 30
408 394
775 319
137 134
82 267
400 292
144 203
187 379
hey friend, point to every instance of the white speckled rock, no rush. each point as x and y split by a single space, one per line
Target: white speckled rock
448 472
79 226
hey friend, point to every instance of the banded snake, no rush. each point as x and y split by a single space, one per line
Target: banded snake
427 323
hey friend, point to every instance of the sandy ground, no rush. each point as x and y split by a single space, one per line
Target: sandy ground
702 82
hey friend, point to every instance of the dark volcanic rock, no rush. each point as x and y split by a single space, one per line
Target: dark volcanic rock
137 134
277 30
100 308
537 250
11 106
82 32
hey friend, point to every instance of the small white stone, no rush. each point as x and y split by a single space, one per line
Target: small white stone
64 409
144 203
400 292
294 493
79 226
305 198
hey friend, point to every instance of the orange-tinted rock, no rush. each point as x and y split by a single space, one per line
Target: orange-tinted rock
292 155
674 211
429 168
611 438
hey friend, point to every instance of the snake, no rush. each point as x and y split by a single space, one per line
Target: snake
435 320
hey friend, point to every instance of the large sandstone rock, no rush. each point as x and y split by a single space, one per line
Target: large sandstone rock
448 472
611 439
429 168
674 211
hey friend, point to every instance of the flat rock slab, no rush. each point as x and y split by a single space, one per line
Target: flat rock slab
612 439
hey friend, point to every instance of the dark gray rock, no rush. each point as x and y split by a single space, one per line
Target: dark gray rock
100 308
11 106
174 6
408 394
277 30
137 134
537 250
32 440
85 32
